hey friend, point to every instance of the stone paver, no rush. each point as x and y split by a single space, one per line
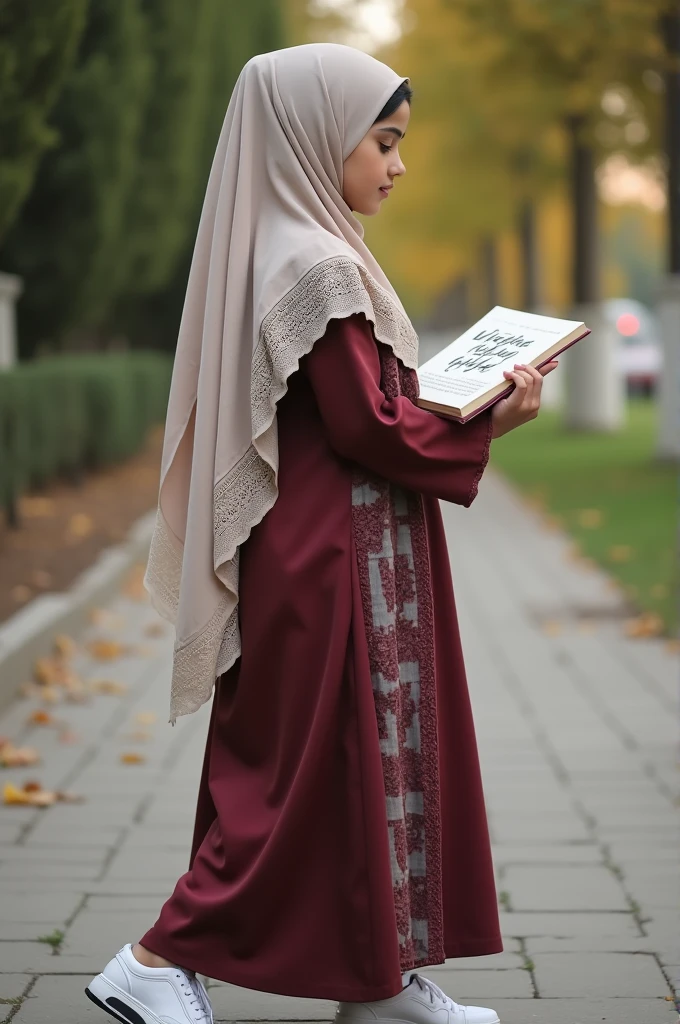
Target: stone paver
577 734
598 975
585 1011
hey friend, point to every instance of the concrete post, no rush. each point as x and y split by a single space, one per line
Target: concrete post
595 388
10 289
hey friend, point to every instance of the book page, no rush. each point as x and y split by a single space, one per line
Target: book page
474 363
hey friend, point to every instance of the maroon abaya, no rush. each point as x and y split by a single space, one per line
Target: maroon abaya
289 889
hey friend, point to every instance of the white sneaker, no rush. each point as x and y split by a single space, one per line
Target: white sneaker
135 994
420 1002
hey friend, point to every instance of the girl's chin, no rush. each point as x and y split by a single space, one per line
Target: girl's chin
370 209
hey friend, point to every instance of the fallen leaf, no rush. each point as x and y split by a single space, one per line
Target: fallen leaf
65 797
552 627
13 795
80 525
620 553
589 518
586 627
139 736
105 617
68 736
646 625
673 645
41 718
65 645
48 694
132 758
97 615
108 686
34 508
155 629
33 795
17 757
20 593
146 717
48 670
106 650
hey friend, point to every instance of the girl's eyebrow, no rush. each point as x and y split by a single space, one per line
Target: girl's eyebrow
395 131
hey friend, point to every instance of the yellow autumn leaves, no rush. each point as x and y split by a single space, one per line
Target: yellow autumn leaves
55 684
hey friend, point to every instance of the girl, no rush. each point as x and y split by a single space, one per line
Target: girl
341 838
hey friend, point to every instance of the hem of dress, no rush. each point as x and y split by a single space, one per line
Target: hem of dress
314 988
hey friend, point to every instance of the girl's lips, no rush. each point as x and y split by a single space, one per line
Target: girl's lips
384 191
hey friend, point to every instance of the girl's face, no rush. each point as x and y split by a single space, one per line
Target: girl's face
375 163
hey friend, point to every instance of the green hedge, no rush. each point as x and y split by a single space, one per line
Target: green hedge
64 415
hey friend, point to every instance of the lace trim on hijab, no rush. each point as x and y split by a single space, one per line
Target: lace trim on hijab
334 288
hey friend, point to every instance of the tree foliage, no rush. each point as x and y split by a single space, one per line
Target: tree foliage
161 200
494 81
37 48
230 34
577 50
66 242
104 239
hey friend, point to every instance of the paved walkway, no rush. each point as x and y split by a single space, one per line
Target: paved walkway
577 729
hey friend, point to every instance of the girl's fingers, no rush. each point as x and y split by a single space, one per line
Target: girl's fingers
517 399
519 381
532 372
530 386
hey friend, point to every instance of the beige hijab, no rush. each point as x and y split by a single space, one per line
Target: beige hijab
278 254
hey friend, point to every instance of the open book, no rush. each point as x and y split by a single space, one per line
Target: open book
467 375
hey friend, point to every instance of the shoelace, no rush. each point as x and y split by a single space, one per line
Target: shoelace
436 993
198 996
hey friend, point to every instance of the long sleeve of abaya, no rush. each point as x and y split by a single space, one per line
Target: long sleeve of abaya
391 437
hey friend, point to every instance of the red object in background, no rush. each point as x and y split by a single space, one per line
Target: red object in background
628 324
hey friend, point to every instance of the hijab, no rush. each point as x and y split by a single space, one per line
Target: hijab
278 254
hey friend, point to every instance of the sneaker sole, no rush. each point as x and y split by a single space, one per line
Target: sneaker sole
118 1004
347 1019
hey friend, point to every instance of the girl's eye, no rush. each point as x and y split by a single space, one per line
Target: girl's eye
384 148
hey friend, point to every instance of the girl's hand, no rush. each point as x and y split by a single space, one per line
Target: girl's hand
523 403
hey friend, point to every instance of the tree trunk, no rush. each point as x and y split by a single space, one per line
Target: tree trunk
490 271
553 385
594 387
527 235
668 301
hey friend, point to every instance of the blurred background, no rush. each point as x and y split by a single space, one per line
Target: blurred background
543 173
